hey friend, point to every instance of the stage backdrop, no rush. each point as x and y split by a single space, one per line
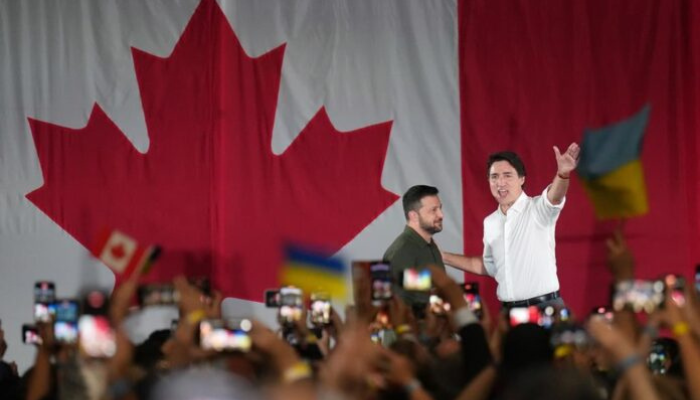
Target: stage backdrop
222 129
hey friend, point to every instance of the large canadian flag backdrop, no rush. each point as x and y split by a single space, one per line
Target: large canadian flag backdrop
221 129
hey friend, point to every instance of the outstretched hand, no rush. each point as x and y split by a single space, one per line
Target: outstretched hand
567 161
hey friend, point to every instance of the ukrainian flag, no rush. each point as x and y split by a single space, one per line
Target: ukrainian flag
314 272
611 170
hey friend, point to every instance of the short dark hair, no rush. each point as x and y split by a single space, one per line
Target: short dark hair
509 156
413 196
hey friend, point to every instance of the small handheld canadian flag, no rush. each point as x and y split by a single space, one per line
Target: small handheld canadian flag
123 254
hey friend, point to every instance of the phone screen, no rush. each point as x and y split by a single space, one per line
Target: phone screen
67 310
44 296
162 294
524 315
676 284
380 274
96 336
272 298
417 280
291 305
437 305
320 309
473 298
95 302
216 335
65 332
44 292
30 334
604 312
44 312
638 295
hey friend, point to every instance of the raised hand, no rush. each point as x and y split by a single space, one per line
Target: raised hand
567 161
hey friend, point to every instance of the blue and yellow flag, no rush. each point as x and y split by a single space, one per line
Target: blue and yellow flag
314 272
611 170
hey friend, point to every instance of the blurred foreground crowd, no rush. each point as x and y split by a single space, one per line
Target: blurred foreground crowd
382 350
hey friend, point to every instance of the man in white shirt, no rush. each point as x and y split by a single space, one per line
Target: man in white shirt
519 235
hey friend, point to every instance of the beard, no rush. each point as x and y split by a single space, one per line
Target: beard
433 228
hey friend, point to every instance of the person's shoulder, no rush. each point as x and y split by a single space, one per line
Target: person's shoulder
395 246
491 217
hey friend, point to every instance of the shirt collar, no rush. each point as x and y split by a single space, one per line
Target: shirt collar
519 204
413 235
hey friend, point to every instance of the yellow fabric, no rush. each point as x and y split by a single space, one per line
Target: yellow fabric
313 280
619 194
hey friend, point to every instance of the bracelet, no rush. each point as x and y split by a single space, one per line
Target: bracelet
296 372
628 362
403 328
195 316
680 329
412 386
562 176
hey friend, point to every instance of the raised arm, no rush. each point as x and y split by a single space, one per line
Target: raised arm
566 163
472 264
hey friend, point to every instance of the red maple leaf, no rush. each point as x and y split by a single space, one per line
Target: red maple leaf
118 252
209 189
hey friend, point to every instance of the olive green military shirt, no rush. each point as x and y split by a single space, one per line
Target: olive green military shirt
410 250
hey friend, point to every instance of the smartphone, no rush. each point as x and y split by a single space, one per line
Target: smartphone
65 327
663 356
638 295
291 305
67 310
473 298
225 336
30 335
603 312
95 302
697 278
44 296
272 298
96 336
380 275
416 280
676 284
159 294
437 305
524 315
320 308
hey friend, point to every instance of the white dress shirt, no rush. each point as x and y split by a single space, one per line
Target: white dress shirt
519 248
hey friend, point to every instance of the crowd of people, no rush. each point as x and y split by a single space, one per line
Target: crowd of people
448 355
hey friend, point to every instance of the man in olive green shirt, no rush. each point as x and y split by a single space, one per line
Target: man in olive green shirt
415 247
